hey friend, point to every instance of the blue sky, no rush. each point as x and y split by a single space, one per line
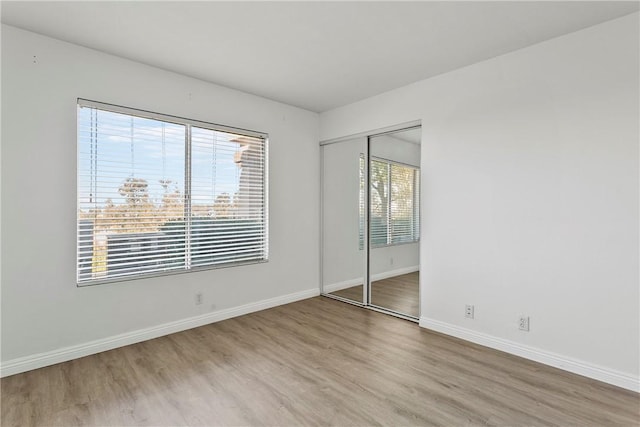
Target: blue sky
153 151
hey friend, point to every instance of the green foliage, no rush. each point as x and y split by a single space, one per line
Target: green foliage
159 229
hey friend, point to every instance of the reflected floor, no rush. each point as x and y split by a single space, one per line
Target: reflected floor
398 293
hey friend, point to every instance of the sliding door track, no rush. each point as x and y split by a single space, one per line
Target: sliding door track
373 308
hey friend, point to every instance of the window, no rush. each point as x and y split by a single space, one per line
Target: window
160 194
395 207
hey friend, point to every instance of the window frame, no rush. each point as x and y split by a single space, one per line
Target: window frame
188 123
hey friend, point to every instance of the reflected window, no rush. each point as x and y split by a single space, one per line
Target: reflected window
395 207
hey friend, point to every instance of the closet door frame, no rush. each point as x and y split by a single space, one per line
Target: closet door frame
368 300
366 288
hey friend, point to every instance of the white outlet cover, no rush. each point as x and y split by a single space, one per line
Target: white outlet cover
468 311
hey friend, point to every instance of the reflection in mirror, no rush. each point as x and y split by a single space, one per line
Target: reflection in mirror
343 208
394 218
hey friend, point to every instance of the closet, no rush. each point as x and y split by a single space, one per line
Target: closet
370 213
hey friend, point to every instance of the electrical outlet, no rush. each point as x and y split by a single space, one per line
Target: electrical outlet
523 323
391 261
199 298
468 311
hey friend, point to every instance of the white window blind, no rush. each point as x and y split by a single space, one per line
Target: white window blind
394 194
160 194
362 203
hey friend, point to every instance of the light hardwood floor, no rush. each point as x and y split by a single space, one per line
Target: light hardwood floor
314 362
398 293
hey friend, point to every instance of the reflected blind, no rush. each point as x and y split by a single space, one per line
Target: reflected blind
159 194
394 195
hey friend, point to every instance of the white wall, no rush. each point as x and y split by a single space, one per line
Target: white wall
42 309
390 148
530 197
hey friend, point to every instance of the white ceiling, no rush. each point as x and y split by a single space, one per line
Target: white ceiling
315 55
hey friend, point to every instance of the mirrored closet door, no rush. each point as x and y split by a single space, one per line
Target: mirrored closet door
371 221
344 266
394 221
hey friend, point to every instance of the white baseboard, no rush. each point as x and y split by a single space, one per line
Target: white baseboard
576 366
358 280
393 273
342 285
27 363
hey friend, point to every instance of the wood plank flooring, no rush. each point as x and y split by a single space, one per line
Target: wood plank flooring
398 293
314 362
